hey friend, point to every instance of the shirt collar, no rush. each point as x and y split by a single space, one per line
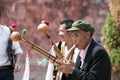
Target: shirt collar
85 51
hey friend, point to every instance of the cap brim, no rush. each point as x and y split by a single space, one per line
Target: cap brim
73 29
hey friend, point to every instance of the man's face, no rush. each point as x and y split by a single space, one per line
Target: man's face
80 38
63 33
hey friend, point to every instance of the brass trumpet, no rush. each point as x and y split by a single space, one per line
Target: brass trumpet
15 36
43 28
60 54
68 57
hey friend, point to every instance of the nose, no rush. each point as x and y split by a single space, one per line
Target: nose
61 33
72 37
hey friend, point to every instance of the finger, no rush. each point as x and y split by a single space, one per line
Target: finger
71 61
17 69
59 68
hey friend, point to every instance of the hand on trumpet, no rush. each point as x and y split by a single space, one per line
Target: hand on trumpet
66 67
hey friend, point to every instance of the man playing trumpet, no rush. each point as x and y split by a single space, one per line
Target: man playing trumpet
93 62
64 44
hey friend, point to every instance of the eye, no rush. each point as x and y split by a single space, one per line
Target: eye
76 34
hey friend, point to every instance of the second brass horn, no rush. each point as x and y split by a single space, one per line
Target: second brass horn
15 36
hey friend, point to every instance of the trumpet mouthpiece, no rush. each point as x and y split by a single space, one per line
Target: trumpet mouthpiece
15 36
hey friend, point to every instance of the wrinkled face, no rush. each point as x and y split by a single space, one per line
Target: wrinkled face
80 38
63 34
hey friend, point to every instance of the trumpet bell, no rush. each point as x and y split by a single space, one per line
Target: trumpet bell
15 36
42 28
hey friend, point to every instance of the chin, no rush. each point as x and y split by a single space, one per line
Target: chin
76 45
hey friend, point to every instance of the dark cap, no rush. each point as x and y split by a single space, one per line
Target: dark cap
82 25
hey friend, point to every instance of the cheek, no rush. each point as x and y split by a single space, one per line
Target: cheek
75 40
78 40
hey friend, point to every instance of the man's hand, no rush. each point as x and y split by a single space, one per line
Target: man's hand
67 67
17 68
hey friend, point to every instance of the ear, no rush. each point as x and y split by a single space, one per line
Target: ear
88 34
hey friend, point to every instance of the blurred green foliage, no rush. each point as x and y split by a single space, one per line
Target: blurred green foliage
112 40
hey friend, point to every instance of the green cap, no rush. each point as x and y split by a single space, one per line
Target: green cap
82 25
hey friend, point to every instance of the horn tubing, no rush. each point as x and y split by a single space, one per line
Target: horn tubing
57 51
38 49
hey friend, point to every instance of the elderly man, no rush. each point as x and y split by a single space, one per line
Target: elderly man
92 62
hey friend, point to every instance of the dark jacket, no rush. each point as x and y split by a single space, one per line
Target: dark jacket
97 65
